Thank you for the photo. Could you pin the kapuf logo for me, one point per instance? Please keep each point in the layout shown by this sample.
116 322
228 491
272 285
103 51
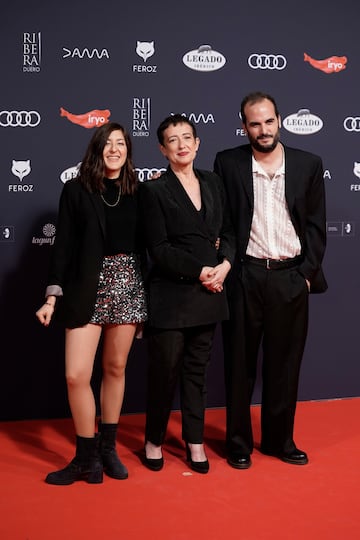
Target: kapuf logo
204 59
303 123
70 173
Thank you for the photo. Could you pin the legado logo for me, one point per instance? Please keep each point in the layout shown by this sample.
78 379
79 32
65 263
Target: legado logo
333 64
19 118
70 173
267 61
85 53
204 59
88 120
352 123
146 174
303 123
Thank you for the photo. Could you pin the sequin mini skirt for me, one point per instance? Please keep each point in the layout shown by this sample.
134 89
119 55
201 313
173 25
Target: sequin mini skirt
120 295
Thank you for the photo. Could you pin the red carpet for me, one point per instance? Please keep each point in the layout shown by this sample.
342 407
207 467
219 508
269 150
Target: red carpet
271 500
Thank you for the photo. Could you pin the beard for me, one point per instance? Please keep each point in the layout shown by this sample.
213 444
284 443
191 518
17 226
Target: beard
265 149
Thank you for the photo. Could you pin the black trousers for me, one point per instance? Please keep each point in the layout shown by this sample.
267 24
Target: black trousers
268 308
177 355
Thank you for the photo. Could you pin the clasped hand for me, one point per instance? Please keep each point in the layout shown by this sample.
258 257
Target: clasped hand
212 278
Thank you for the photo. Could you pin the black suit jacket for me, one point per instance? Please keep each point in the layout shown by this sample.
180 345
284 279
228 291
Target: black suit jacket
305 196
180 243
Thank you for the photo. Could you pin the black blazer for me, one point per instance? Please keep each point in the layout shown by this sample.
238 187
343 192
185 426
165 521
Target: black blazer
78 253
180 242
305 196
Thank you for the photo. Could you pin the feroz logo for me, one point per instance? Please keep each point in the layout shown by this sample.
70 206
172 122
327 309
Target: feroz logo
356 171
70 173
141 117
85 53
32 51
88 120
267 61
352 123
204 59
333 64
48 237
146 173
20 169
19 118
7 233
145 49
303 123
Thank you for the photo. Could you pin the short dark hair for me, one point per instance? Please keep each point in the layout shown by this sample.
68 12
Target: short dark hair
92 169
173 120
255 97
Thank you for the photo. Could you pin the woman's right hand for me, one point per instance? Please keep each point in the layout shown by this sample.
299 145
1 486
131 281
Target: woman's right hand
45 313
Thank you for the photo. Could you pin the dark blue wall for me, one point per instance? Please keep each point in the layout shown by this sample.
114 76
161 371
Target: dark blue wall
83 57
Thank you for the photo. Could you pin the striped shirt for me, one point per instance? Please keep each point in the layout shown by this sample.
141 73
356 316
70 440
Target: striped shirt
272 234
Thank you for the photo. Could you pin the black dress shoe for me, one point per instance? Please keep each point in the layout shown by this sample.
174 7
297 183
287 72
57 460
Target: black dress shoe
154 464
239 461
201 467
295 457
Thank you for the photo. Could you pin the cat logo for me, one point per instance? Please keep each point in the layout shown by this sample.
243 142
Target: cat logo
21 168
19 118
145 49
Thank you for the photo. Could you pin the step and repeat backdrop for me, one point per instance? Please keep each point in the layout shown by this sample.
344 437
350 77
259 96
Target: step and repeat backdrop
68 67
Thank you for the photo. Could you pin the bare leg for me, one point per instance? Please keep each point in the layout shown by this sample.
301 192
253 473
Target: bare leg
117 343
80 349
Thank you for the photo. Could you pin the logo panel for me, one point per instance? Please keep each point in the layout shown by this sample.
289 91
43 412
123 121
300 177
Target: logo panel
204 59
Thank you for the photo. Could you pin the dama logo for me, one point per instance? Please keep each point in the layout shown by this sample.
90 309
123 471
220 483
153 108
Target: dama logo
88 120
333 64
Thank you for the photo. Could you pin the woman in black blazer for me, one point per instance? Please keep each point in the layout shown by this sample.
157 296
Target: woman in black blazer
95 281
191 244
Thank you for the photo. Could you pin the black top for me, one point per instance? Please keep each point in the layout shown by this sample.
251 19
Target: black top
122 230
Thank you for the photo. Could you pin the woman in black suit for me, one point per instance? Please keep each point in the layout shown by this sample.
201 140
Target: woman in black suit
190 241
95 285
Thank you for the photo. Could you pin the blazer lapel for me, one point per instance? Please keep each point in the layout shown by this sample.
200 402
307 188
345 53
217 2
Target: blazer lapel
182 198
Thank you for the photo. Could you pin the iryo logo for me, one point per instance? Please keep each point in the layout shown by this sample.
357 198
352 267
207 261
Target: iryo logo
88 120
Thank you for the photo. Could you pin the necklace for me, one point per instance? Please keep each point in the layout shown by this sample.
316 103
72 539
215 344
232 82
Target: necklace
117 199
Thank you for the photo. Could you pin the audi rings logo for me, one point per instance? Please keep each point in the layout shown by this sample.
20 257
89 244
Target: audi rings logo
267 61
352 123
148 174
19 118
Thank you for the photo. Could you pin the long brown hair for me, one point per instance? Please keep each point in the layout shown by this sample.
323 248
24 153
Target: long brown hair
92 169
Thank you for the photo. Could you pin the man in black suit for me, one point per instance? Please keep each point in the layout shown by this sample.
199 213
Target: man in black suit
277 204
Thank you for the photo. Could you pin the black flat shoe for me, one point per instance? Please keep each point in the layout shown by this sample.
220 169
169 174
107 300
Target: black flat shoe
239 461
154 464
201 467
296 457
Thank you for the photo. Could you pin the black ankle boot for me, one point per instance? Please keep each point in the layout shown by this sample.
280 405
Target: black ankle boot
111 462
86 464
